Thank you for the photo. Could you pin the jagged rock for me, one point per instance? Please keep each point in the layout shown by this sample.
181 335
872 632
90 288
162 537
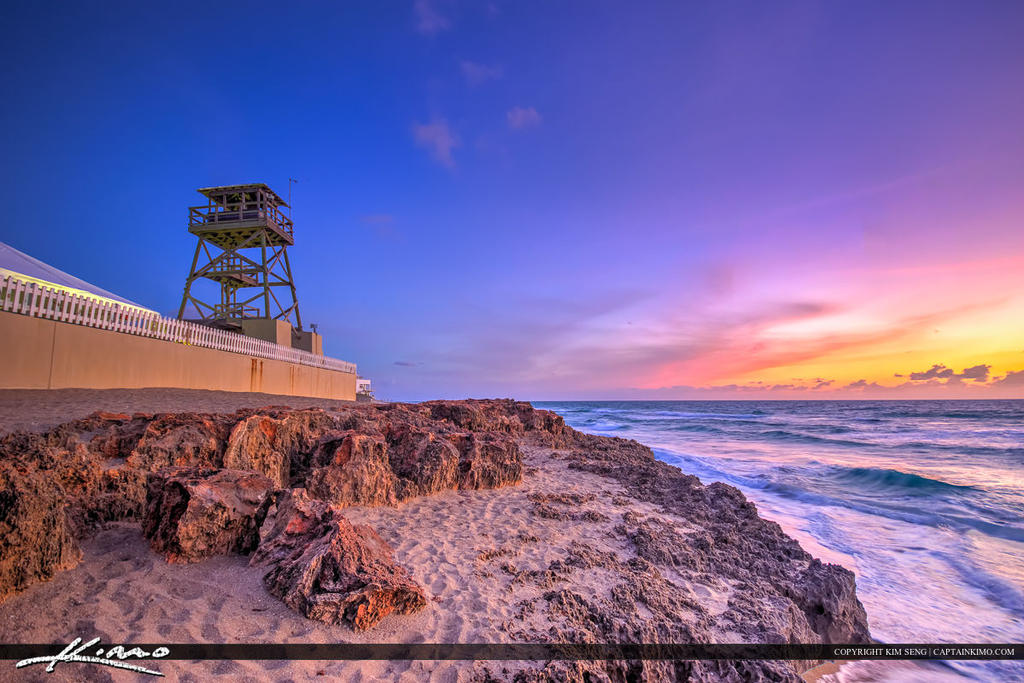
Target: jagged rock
787 596
422 462
353 469
827 595
35 537
193 513
253 445
487 460
106 433
329 569
517 418
367 455
182 439
405 460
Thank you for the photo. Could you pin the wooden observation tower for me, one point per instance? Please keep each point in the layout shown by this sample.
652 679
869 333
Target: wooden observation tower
243 247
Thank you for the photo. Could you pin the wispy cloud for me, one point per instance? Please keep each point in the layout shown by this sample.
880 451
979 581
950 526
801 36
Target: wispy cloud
476 74
428 20
864 191
439 139
522 117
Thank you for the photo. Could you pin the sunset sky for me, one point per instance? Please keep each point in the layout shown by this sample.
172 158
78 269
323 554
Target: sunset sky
558 200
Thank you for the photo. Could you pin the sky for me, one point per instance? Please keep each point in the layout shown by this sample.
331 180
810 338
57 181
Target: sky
558 200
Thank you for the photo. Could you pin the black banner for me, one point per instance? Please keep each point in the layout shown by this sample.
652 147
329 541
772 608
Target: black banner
536 652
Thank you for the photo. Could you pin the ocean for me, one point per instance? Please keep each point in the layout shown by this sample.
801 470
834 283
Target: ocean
923 500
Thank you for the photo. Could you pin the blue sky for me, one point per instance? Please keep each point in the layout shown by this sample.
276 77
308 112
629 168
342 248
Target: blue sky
556 200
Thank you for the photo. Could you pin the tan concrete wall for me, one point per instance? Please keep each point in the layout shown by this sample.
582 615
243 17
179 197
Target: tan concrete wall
307 340
275 331
44 354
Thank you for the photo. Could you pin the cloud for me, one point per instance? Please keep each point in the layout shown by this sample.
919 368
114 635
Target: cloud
406 363
428 20
979 373
936 371
863 384
439 139
476 74
1011 379
522 117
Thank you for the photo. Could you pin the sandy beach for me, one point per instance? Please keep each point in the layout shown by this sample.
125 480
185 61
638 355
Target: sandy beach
124 592
486 559
39 409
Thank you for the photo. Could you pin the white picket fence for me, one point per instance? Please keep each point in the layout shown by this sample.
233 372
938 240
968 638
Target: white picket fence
40 301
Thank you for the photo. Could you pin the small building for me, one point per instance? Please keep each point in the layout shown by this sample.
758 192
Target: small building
363 390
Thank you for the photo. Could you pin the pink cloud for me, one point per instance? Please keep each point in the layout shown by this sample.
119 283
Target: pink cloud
439 139
428 20
476 74
523 117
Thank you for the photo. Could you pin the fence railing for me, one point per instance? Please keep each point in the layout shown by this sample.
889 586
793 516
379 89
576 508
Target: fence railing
40 301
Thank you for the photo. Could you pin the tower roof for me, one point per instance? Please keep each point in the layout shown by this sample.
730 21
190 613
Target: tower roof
222 189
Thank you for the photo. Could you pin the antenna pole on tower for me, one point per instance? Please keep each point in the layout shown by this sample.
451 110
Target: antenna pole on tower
290 181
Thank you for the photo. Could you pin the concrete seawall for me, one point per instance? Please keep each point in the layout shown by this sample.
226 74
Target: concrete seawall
36 353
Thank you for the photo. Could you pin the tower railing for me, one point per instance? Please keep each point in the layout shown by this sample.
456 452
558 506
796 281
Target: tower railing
205 215
39 301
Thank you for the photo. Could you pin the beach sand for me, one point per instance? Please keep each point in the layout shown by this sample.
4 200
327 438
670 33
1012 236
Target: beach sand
454 543
37 410
480 555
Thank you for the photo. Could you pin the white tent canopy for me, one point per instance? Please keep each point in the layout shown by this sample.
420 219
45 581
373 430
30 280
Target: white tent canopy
23 266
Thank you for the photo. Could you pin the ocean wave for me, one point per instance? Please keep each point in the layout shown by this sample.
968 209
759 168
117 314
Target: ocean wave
827 428
709 416
706 429
607 427
877 477
1002 593
911 514
927 446
796 437
1004 531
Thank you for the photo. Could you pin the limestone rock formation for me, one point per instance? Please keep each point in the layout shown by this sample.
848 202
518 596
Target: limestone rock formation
729 540
183 439
193 512
274 481
329 569
35 537
516 418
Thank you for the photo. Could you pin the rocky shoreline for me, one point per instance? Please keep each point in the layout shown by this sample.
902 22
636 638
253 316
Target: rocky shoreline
604 543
